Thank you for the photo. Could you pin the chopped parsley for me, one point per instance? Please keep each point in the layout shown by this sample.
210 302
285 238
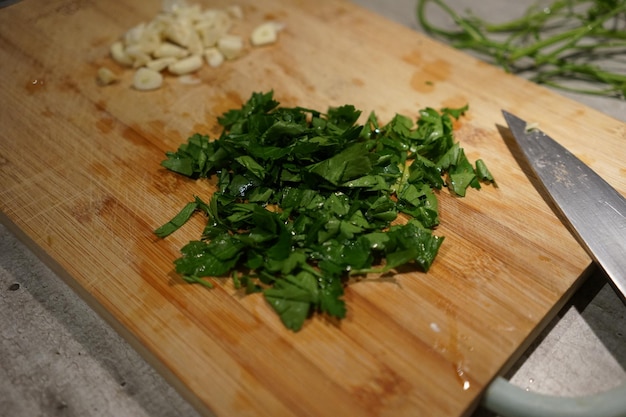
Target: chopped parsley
306 199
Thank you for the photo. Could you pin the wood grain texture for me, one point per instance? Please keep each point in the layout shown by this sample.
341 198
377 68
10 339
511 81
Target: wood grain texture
80 180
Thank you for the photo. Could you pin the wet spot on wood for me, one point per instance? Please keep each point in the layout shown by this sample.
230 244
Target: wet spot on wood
425 79
85 211
82 212
341 10
358 82
100 41
101 105
35 85
47 113
225 102
101 170
134 135
455 103
292 71
105 124
413 58
278 15
166 183
474 137
419 84
151 132
159 131
387 386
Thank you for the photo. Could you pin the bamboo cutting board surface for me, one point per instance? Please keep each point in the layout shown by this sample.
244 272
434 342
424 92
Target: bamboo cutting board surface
80 182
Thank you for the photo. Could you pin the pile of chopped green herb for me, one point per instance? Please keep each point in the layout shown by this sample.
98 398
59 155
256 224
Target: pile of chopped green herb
306 199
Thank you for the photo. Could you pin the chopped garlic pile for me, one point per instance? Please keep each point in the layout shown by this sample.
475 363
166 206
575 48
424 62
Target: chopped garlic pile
180 40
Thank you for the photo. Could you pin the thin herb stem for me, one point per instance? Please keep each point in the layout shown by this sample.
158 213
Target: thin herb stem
463 23
535 19
573 36
563 41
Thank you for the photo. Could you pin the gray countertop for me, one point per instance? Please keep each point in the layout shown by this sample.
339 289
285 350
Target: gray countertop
59 358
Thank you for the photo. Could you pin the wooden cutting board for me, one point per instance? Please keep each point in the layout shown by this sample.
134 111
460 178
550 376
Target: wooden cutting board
80 182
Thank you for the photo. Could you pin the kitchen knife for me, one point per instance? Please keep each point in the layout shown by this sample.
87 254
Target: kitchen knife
594 209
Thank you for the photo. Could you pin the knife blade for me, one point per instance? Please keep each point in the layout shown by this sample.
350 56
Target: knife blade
595 211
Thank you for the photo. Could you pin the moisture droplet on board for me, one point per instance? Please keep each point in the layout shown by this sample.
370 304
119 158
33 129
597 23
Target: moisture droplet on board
465 383
35 85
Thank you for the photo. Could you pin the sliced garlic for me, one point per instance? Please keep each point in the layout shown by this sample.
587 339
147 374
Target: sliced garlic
139 57
209 35
213 57
119 55
150 40
186 65
189 79
219 19
146 79
181 38
134 34
264 34
230 46
178 32
160 64
532 126
172 5
106 76
194 43
235 11
162 21
187 12
168 49
211 26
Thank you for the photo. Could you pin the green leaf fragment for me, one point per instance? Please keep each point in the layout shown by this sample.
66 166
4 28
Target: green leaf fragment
483 172
293 297
177 221
251 165
191 279
349 164
462 175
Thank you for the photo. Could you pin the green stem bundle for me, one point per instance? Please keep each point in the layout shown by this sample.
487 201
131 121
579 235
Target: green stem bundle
562 42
